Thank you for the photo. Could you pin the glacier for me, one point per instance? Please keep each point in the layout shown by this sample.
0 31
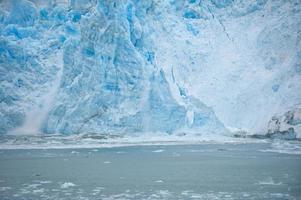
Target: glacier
130 66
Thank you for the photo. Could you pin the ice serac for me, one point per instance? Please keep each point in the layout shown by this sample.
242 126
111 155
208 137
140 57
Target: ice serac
90 68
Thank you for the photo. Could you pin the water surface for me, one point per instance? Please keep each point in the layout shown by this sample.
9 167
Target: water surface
200 171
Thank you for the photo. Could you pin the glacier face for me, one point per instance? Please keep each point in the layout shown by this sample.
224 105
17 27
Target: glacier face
242 58
109 81
128 66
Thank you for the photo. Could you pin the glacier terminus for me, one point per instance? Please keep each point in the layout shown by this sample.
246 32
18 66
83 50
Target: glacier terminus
130 66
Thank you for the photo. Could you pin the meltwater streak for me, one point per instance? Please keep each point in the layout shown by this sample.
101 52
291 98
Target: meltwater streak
36 115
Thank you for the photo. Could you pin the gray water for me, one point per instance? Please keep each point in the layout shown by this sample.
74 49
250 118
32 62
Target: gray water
203 171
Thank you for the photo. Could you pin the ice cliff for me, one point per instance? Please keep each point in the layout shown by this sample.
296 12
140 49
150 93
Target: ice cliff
126 66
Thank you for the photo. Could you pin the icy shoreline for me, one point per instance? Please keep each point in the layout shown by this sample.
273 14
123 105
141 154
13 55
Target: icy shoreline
86 141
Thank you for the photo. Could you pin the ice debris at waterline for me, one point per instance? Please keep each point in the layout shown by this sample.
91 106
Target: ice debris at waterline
287 126
282 126
111 66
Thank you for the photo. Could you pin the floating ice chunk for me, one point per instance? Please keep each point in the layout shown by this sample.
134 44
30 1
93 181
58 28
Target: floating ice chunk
67 185
158 151
41 190
269 181
44 182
